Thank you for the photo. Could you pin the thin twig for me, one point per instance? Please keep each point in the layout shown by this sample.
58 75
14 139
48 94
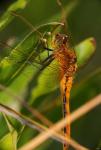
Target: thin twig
26 22
32 124
62 123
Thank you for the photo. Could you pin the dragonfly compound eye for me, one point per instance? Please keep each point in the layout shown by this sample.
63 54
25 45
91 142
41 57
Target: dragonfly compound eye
65 39
57 35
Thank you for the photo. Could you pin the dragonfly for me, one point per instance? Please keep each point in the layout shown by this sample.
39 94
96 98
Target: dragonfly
65 57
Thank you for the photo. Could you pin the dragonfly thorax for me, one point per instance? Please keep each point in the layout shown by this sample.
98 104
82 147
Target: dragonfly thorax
64 55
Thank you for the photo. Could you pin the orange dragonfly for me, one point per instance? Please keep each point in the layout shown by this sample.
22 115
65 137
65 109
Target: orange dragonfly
66 58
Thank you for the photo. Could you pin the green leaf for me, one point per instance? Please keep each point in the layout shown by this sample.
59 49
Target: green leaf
7 17
23 54
85 50
16 61
9 141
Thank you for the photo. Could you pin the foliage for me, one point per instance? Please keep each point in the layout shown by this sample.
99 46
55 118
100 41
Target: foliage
22 73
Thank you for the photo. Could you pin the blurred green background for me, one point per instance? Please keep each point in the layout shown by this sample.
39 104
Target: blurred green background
84 20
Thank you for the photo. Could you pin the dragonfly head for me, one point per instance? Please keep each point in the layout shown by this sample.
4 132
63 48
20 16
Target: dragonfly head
60 40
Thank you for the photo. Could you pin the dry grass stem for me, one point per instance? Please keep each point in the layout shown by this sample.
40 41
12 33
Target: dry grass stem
51 131
32 124
29 122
